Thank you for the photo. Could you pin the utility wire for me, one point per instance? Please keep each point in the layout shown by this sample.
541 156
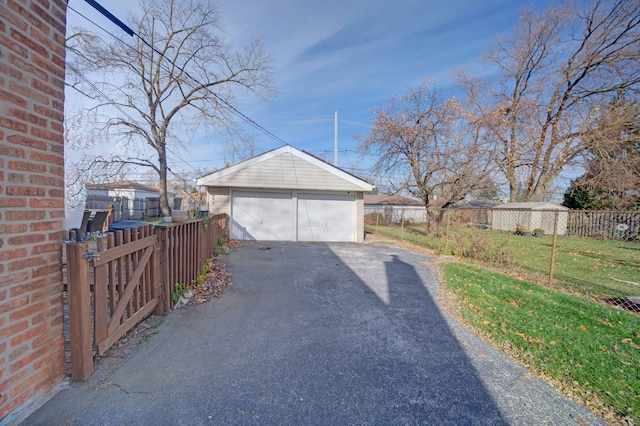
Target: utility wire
233 109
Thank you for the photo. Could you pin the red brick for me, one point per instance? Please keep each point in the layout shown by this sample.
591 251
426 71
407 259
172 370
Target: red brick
44 3
45 270
28 311
45 316
26 215
12 72
13 202
14 46
29 43
28 17
57 149
56 214
13 98
46 248
18 352
12 229
20 289
46 88
14 304
29 93
55 170
58 127
13 329
46 158
57 236
28 68
26 239
14 403
13 18
58 60
21 114
46 203
18 265
49 43
12 380
11 151
25 191
45 226
14 278
16 178
56 193
27 141
48 66
42 180
24 166
13 254
22 362
48 112
45 134
58 25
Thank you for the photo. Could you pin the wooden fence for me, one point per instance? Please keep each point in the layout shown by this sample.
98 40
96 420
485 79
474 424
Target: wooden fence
134 272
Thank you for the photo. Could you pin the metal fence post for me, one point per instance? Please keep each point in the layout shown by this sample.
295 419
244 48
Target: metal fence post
553 245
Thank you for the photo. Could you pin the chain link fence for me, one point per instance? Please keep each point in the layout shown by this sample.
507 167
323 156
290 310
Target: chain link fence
593 253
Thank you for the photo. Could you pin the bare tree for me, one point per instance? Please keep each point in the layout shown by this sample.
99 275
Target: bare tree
177 74
612 174
556 70
432 145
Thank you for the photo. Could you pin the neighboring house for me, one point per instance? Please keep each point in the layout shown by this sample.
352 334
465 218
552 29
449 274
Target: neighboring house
125 189
531 215
395 208
32 69
128 198
288 195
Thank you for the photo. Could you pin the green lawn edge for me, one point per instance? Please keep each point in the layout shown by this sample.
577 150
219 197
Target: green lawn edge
586 348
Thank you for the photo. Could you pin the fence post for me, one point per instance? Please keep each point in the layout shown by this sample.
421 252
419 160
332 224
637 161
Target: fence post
79 299
402 227
553 245
446 237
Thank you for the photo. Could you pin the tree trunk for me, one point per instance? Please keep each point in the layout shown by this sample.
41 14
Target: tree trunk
162 162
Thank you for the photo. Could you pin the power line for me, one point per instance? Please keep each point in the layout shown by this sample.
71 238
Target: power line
233 109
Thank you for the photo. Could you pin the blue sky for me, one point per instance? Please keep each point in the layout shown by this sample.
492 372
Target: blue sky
344 56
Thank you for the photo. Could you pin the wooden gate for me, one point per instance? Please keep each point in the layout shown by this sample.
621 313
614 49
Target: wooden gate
127 286
127 282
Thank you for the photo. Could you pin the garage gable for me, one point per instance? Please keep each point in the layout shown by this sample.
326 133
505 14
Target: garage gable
285 168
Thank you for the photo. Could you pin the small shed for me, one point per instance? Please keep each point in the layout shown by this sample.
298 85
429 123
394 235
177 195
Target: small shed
288 195
395 208
532 215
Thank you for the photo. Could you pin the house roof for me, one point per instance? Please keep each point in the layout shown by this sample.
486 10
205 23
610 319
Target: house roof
123 184
531 206
285 168
391 200
475 204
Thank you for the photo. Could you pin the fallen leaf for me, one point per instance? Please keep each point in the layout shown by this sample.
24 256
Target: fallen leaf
584 327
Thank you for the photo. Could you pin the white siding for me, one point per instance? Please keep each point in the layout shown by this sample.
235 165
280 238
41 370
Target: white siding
286 171
219 200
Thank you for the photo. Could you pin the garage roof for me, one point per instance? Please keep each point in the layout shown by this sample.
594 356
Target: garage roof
285 168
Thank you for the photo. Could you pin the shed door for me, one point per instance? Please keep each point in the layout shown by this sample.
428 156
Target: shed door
262 216
326 217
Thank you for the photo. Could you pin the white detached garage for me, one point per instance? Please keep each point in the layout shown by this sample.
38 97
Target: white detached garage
288 195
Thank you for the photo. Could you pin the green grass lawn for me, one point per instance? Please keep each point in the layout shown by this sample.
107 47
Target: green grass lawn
587 348
596 268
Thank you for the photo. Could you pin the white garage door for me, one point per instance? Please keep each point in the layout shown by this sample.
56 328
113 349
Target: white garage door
262 216
326 217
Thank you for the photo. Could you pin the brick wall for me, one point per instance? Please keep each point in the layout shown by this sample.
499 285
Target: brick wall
32 55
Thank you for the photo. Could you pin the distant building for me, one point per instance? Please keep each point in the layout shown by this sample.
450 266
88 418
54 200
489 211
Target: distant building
395 208
530 215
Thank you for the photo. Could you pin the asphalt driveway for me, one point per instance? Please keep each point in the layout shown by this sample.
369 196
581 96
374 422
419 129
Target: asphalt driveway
326 334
